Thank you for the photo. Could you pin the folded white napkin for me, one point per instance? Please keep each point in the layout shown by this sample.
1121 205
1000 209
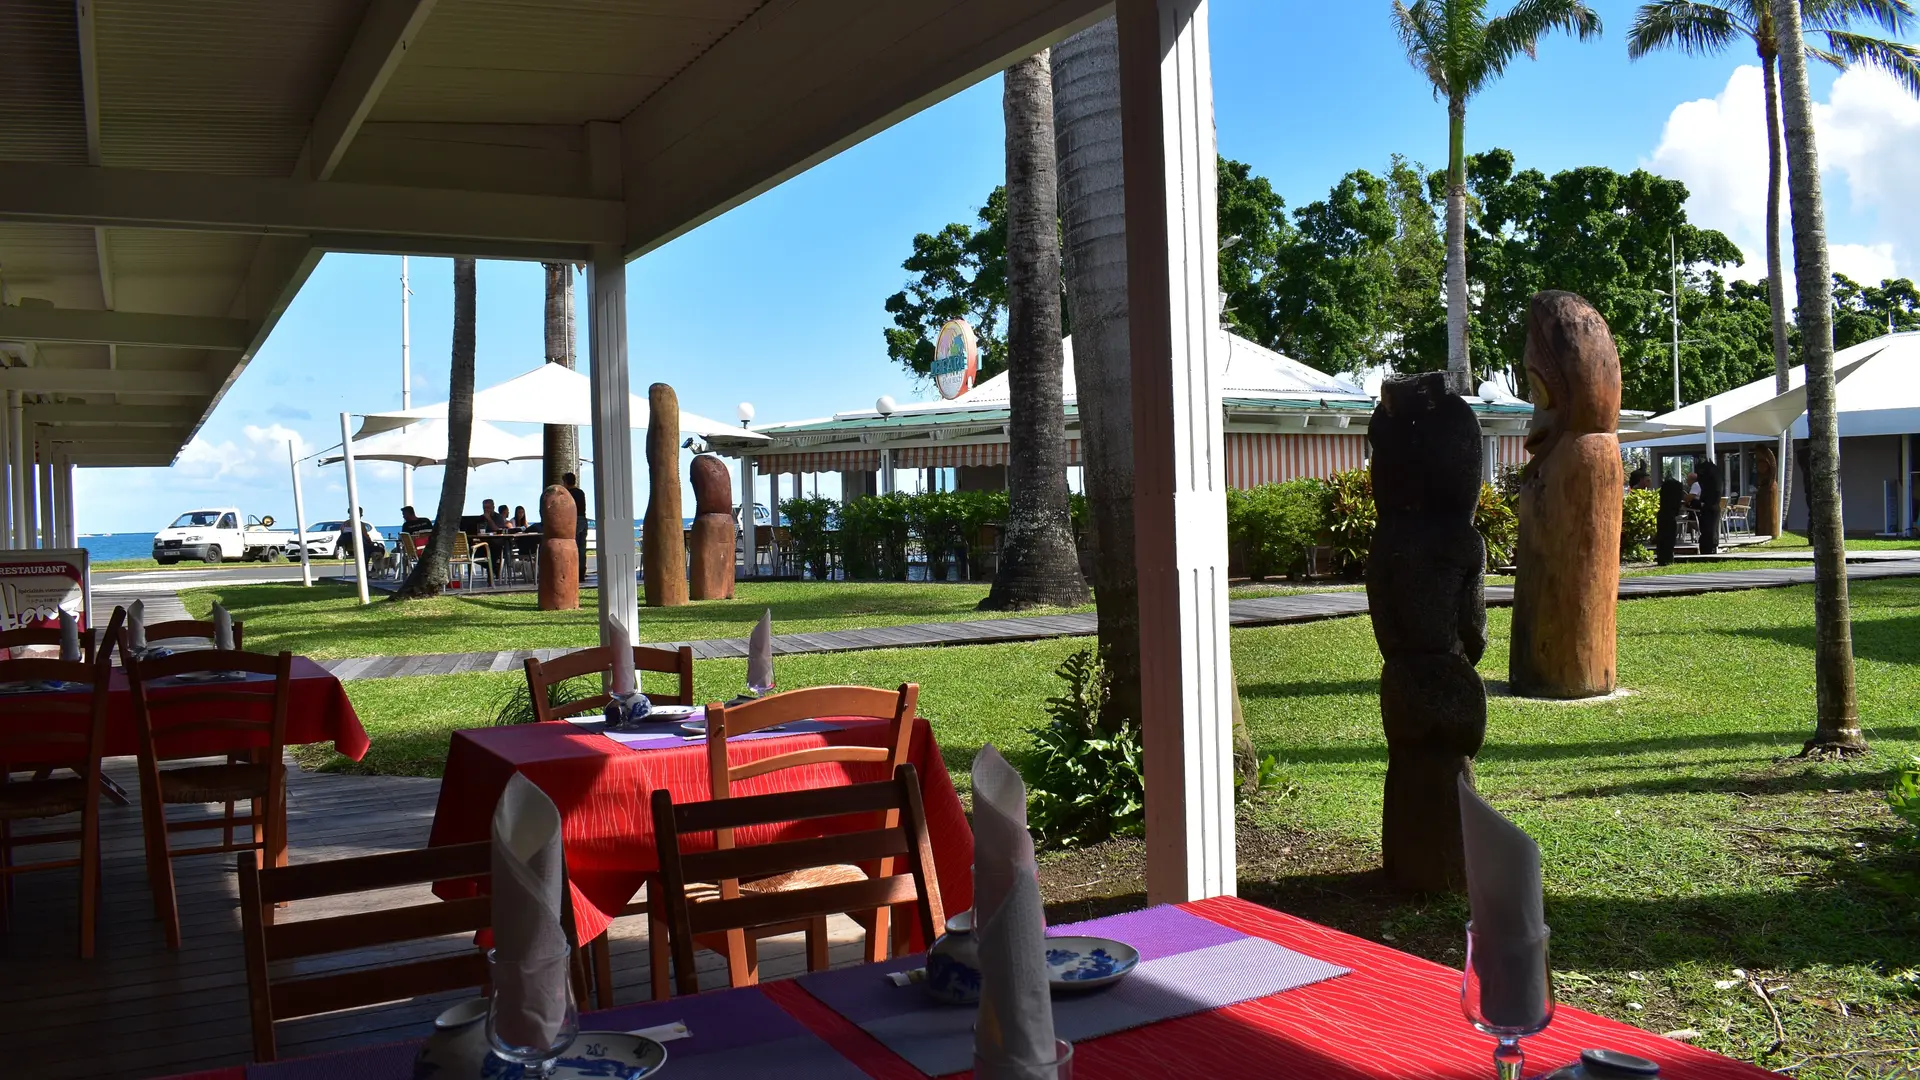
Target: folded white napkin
1509 912
1016 1009
222 629
69 637
760 652
529 887
622 679
137 625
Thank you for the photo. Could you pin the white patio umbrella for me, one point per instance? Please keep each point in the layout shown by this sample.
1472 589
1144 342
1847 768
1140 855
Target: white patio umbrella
549 394
425 443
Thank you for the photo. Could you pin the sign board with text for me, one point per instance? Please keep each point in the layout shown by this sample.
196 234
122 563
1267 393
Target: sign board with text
36 584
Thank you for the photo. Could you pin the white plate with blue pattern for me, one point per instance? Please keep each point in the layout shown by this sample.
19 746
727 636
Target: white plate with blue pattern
1088 963
614 1054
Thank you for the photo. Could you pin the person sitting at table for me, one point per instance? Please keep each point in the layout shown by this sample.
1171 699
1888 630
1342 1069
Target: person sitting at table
411 522
519 519
489 517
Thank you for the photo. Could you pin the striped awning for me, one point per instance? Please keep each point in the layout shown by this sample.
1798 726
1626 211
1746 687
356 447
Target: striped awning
1512 451
1255 459
819 462
938 456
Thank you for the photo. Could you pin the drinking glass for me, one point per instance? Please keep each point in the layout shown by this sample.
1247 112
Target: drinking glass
1507 992
532 1019
1060 1068
758 689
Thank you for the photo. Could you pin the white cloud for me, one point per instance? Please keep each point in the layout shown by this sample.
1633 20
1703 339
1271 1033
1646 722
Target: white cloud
258 452
1869 134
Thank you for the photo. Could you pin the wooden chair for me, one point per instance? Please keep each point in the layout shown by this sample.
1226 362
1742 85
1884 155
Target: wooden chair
199 629
70 732
185 713
90 649
286 997
468 557
903 835
739 945
42 635
541 677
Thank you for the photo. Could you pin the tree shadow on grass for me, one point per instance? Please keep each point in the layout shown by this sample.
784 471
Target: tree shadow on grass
1309 688
1354 753
1803 782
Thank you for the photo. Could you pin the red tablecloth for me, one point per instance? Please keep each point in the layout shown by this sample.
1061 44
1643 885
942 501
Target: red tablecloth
603 790
1395 1017
317 711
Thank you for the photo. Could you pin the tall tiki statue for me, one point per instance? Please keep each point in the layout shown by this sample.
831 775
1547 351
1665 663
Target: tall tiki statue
559 566
1712 497
1425 593
1567 579
664 547
713 535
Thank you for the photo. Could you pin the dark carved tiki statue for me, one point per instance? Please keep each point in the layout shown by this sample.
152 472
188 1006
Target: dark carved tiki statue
1567 563
663 550
1666 531
1766 502
711 547
1711 499
1425 593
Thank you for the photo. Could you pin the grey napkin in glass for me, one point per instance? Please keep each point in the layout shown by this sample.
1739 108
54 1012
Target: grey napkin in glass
1509 913
760 652
1016 1011
69 637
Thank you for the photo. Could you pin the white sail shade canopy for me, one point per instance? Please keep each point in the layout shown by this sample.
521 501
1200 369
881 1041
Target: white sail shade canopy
1877 385
425 443
549 394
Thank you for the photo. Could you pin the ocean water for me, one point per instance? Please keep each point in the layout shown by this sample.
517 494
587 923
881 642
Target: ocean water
139 545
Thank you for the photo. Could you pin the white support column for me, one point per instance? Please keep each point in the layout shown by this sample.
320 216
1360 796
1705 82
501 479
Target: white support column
32 481
773 515
1906 484
886 471
300 520
749 528
612 446
6 471
1186 677
353 508
63 485
22 486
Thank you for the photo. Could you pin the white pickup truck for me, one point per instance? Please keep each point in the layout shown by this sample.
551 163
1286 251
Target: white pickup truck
215 535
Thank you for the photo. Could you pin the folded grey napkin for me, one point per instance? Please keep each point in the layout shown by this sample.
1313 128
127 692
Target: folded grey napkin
529 887
1013 1037
760 654
137 625
1509 914
222 629
69 637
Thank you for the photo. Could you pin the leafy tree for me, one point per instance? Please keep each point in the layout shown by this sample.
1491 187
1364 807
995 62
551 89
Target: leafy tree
1461 51
429 575
1864 312
1698 27
960 273
1253 226
560 443
1837 714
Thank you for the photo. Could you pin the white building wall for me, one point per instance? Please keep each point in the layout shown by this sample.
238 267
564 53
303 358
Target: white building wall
1867 462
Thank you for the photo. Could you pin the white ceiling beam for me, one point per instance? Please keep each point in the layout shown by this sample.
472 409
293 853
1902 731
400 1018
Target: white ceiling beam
438 247
89 77
67 325
76 414
156 460
713 138
54 380
138 198
386 32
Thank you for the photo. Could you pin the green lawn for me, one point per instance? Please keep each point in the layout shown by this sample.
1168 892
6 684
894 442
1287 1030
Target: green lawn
1682 838
327 621
1794 541
149 564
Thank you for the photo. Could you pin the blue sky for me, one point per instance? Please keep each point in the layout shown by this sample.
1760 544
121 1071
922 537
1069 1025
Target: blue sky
779 301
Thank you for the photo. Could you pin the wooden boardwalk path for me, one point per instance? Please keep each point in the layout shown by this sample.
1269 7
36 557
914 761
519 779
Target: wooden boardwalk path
1250 611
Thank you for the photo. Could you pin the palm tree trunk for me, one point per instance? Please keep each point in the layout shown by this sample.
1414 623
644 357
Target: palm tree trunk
1038 562
1459 367
1837 727
1776 274
560 443
1086 109
429 575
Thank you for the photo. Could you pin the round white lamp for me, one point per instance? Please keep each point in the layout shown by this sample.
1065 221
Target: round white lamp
885 405
745 412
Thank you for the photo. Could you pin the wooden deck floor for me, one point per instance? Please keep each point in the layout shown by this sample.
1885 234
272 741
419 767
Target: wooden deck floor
139 1010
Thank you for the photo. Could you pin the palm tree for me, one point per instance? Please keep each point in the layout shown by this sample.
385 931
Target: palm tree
1039 564
1699 27
1461 51
560 448
429 575
1837 718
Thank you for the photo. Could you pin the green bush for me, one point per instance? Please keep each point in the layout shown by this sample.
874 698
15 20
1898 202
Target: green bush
939 520
1499 525
874 531
1351 518
811 521
1274 524
1084 784
1903 875
514 703
1639 516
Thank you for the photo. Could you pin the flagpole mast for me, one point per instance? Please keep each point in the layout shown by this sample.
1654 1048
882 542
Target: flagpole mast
406 375
1673 252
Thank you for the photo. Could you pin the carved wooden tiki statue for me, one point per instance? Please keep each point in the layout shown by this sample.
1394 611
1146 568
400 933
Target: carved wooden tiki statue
559 563
1567 579
663 552
713 535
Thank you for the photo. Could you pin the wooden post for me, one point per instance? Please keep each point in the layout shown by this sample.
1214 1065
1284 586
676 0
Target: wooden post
664 551
1186 671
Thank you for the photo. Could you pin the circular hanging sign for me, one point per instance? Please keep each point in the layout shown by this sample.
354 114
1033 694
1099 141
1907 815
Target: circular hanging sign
956 359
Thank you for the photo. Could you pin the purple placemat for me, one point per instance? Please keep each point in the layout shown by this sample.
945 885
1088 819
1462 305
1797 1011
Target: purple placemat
670 735
731 1035
1187 965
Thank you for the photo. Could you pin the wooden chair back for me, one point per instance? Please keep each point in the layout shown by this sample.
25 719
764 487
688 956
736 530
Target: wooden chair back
199 629
166 714
269 941
903 835
57 730
599 660
724 721
23 636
